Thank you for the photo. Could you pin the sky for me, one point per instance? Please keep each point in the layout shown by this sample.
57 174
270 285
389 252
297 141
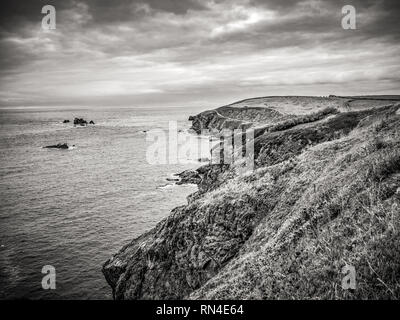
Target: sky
194 52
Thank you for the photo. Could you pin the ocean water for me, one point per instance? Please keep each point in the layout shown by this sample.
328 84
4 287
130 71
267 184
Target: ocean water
72 209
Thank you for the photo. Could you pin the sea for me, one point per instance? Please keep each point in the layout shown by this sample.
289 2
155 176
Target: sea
71 209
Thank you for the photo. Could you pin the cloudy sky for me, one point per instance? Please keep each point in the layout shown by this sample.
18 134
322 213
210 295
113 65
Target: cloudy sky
194 52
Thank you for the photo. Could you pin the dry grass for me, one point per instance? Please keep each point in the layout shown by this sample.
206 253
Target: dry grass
324 194
330 205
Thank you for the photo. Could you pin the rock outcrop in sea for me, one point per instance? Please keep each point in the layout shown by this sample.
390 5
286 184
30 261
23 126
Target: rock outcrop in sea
58 146
80 121
324 193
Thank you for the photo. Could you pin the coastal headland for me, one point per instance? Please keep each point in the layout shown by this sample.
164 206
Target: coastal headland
324 194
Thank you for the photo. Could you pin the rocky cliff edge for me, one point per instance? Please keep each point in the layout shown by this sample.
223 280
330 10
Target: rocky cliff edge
324 193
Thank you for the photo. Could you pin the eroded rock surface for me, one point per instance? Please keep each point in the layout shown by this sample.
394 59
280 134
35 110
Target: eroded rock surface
324 192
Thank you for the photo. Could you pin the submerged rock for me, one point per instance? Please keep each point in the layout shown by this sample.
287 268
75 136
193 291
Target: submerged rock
66 121
91 122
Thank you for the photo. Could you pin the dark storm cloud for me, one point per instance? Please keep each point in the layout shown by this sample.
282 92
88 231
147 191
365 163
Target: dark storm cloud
159 50
15 12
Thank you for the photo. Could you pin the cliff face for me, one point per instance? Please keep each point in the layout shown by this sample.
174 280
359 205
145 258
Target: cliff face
271 110
324 193
234 118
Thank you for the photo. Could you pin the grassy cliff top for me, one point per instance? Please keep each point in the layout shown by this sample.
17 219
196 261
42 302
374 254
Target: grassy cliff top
324 194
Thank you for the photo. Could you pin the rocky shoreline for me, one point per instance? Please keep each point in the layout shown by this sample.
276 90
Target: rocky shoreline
324 192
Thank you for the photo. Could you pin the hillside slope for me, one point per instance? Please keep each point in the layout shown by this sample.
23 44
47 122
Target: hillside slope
325 193
270 110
